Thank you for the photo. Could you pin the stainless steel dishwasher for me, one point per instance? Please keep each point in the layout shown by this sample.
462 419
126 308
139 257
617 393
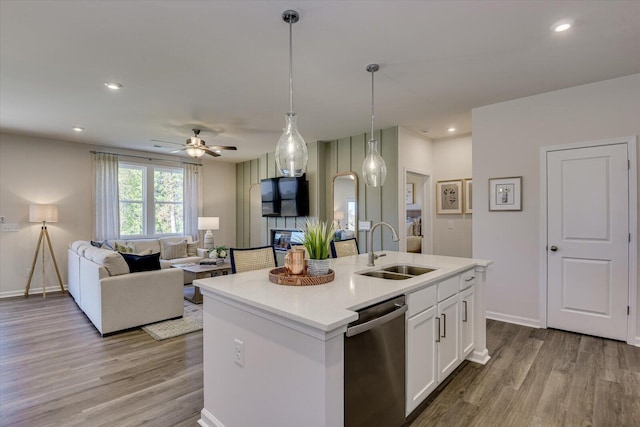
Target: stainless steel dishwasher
374 366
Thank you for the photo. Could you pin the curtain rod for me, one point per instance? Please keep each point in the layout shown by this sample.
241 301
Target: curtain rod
147 158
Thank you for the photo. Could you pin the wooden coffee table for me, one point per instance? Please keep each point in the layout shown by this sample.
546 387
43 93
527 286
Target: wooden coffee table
200 271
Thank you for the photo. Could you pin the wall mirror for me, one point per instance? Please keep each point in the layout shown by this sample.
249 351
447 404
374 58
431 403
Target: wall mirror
345 205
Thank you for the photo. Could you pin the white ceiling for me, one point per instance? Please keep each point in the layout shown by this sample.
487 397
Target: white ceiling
223 65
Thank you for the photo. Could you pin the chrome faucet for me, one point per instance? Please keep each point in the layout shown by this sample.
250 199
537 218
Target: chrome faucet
373 256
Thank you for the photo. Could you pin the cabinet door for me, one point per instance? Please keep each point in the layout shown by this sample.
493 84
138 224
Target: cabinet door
421 357
449 345
467 322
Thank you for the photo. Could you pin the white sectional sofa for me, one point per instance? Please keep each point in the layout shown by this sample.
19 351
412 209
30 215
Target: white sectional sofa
115 299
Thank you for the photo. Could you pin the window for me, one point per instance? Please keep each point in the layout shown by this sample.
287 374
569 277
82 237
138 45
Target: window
151 201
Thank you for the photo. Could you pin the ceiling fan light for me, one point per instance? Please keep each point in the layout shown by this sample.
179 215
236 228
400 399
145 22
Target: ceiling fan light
195 152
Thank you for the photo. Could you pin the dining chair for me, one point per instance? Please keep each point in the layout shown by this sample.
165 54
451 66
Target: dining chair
345 247
247 259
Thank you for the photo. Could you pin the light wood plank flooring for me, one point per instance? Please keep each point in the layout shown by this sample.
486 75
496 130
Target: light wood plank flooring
56 370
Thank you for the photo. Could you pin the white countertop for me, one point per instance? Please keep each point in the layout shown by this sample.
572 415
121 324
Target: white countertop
330 306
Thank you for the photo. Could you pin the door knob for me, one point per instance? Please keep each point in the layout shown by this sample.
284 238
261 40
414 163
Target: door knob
553 248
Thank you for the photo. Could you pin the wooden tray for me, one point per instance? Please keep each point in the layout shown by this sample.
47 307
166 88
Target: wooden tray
280 276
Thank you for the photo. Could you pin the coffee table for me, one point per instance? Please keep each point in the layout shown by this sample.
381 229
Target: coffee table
200 271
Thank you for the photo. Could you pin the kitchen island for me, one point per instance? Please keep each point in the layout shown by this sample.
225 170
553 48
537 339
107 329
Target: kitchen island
274 355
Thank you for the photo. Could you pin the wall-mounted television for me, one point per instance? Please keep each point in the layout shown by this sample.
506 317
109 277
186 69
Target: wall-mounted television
285 196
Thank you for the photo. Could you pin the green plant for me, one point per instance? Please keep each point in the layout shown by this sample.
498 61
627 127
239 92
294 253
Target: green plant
221 251
317 238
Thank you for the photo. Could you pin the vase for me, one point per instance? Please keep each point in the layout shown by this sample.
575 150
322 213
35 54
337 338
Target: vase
318 267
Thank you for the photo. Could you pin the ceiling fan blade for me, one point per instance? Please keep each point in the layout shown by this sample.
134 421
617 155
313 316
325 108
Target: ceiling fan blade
222 147
177 151
212 153
166 142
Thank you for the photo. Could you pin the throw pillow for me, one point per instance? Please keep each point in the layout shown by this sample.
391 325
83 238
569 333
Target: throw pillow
192 248
175 250
97 244
139 263
145 252
127 248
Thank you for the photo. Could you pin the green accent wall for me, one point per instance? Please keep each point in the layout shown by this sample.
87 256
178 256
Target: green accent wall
327 158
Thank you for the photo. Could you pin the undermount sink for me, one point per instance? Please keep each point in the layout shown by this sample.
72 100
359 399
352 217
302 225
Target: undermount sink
386 275
398 272
411 270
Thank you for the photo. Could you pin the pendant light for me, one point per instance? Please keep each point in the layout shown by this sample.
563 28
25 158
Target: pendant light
374 169
291 150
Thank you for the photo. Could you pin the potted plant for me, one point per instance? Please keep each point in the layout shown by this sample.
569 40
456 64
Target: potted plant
317 239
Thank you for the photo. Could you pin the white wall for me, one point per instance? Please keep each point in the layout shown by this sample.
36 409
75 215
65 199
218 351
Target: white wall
36 170
452 160
507 138
415 154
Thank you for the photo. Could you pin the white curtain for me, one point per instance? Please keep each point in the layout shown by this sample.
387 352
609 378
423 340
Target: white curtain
192 184
107 219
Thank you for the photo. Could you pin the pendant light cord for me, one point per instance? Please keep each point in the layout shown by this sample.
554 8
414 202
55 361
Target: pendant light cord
290 66
372 72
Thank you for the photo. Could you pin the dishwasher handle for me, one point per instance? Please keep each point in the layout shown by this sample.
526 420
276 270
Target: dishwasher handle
364 327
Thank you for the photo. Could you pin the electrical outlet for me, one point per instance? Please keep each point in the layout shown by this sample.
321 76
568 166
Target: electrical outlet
450 225
364 225
238 352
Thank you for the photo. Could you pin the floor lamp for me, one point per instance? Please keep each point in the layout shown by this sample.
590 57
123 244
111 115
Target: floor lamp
43 214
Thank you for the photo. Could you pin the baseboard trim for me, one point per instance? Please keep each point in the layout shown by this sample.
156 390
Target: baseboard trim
32 291
208 420
518 320
481 357
635 342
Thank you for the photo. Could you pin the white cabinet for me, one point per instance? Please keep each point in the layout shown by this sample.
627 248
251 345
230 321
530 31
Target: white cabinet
467 322
421 357
448 341
440 334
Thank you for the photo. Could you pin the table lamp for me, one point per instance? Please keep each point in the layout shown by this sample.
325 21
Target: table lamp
43 214
208 223
338 216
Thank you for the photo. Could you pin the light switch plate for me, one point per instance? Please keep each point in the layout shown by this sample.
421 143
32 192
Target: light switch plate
10 227
364 225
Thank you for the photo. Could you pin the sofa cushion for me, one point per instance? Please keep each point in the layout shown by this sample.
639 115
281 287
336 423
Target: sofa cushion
174 250
138 263
112 261
125 248
192 248
145 244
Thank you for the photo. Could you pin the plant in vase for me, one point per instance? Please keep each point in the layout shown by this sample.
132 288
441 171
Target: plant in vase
317 240
221 252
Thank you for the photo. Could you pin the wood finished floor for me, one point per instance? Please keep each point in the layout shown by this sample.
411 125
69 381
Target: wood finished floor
56 370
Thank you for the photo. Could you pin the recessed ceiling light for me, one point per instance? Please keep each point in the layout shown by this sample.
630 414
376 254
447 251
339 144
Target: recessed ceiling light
113 85
452 129
77 128
562 25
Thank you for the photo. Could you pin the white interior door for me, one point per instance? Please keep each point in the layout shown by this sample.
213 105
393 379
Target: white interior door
587 238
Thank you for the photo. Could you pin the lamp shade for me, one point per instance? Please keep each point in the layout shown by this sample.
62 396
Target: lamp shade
338 215
43 213
208 223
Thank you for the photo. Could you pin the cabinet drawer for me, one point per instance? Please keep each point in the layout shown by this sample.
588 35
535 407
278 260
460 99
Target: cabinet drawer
448 287
421 300
467 279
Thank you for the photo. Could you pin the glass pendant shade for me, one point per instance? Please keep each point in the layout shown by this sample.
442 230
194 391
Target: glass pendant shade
374 169
291 150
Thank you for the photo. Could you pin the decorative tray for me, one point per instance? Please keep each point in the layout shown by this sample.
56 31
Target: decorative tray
281 276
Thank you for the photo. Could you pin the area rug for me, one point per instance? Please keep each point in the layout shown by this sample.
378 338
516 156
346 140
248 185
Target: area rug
191 322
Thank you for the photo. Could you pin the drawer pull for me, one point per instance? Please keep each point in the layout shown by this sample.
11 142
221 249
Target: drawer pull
468 279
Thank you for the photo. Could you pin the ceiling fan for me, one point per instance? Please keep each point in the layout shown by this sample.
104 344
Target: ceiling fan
196 147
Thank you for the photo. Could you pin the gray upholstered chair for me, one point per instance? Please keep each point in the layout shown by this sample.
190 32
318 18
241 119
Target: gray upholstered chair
344 248
248 259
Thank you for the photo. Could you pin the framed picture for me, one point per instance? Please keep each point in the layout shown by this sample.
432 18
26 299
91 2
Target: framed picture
449 197
468 193
505 194
409 194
